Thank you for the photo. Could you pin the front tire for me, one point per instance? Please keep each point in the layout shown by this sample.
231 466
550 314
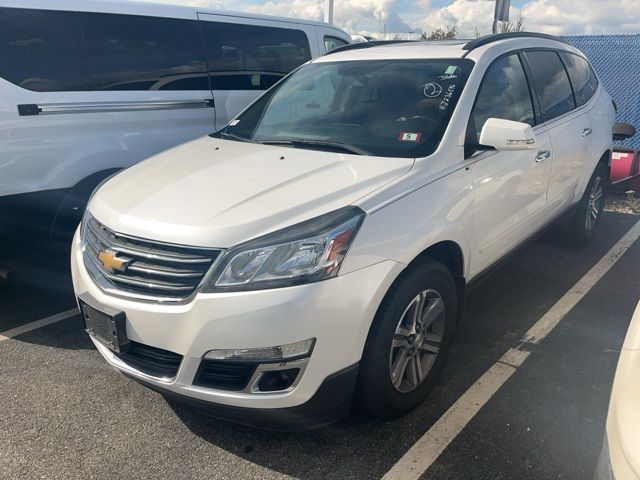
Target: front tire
408 341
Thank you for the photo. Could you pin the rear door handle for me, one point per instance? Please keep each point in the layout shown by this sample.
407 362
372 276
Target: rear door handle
543 155
586 132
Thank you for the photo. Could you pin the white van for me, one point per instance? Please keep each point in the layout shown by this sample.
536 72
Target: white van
90 87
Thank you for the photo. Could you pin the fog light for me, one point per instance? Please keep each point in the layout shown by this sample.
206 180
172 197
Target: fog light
281 353
277 380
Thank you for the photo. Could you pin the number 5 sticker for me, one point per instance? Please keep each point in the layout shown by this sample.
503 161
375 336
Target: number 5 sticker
409 137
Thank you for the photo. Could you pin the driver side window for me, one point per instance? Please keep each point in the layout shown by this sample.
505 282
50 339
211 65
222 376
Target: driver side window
504 94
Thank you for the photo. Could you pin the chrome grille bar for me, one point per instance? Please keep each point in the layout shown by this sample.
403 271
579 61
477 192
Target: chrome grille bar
170 272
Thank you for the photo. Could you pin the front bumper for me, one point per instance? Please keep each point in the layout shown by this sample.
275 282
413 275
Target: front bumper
336 312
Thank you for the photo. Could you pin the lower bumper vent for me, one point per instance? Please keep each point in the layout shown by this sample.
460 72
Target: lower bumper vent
151 360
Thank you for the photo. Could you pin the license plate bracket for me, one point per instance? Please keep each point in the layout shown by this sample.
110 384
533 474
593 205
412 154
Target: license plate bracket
105 324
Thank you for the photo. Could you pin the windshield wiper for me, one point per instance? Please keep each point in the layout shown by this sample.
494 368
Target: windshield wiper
233 136
318 143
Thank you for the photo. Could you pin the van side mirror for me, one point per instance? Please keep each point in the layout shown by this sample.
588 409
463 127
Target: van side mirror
622 131
506 135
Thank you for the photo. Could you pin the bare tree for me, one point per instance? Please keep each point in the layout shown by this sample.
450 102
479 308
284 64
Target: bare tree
517 26
448 33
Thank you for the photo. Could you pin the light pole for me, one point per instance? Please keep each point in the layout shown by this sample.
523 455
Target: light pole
501 13
328 11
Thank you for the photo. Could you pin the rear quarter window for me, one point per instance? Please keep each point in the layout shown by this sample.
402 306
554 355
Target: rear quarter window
551 84
42 50
582 76
331 43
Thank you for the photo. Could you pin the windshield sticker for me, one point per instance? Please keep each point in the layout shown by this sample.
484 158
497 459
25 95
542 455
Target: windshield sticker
233 123
450 70
409 137
444 104
432 90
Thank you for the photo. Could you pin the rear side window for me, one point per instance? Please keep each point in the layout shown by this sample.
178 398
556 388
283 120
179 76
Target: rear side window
42 50
583 79
331 43
551 84
129 52
252 57
504 94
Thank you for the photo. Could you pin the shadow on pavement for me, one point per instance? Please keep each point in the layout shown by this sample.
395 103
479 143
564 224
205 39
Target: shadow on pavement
499 311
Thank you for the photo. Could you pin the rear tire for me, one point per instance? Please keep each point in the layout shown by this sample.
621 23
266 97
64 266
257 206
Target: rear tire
585 218
408 341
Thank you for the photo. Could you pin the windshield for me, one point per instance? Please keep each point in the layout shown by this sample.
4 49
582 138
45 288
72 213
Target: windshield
388 108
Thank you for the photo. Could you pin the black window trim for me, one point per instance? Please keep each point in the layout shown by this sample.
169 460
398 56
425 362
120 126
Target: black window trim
573 110
575 98
470 148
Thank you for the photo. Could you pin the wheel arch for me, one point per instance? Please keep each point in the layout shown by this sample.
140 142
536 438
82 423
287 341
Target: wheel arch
448 252
76 199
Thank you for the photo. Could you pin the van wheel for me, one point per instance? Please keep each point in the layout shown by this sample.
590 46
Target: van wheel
408 341
587 213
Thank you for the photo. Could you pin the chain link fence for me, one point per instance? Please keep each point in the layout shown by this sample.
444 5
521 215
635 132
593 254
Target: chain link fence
616 59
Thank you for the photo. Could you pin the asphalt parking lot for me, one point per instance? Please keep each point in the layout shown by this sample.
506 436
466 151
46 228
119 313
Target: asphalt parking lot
65 414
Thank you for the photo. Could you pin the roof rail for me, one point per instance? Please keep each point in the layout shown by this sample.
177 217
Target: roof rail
482 41
373 43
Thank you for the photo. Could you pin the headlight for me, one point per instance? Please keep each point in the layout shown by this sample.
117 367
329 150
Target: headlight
304 253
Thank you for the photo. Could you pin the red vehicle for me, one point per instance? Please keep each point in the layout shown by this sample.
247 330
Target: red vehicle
624 170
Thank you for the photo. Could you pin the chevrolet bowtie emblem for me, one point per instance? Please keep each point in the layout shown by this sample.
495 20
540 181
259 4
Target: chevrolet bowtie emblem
111 262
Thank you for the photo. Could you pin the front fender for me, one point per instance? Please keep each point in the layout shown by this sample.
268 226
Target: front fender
402 230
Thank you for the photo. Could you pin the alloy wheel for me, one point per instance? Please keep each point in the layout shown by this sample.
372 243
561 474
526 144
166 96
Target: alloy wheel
416 341
595 204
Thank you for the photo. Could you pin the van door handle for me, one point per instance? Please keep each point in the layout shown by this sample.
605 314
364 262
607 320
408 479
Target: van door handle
586 132
543 155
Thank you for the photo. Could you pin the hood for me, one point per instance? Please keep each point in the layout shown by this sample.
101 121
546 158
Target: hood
218 193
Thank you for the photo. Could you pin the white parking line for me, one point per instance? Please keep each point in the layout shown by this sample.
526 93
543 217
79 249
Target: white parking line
429 447
43 322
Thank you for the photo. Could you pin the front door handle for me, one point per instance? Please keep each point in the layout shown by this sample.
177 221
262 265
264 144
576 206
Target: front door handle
586 132
543 155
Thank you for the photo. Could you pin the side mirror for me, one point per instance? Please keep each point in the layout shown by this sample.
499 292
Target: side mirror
505 135
622 131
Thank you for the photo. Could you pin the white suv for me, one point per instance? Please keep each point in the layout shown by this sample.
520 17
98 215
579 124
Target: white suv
323 239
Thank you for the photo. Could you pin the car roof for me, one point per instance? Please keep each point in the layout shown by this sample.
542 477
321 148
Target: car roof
491 45
397 50
149 8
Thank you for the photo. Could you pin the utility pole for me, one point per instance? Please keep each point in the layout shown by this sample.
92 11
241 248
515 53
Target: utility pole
328 11
501 13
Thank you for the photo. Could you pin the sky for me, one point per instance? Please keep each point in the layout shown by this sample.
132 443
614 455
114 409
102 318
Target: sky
468 16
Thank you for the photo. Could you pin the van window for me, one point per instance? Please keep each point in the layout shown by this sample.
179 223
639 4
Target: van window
504 94
130 52
583 79
331 43
42 50
252 57
551 83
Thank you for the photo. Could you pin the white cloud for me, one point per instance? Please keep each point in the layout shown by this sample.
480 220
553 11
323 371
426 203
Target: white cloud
401 16
583 16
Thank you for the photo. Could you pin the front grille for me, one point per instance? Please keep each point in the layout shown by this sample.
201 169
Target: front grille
224 375
151 360
166 272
